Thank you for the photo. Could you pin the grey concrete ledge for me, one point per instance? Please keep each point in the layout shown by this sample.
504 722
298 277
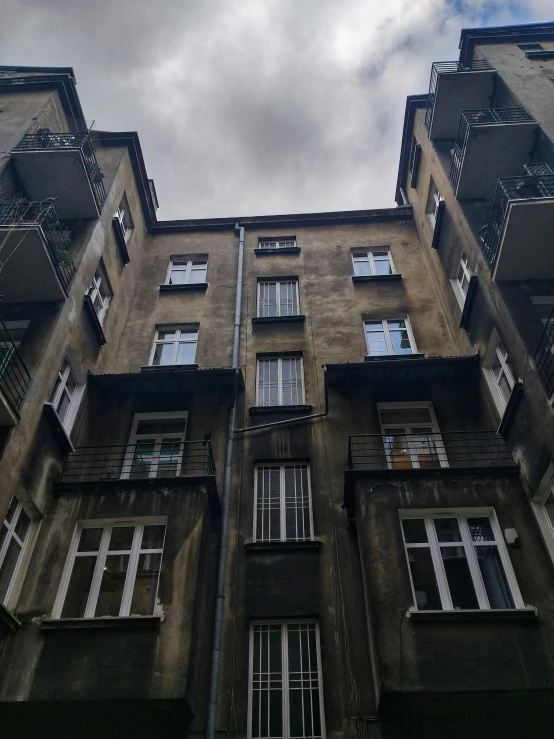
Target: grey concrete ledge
396 277
62 624
276 547
495 614
9 619
257 410
190 288
262 320
167 367
267 252
384 357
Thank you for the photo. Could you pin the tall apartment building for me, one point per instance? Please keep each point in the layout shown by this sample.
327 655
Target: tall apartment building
288 476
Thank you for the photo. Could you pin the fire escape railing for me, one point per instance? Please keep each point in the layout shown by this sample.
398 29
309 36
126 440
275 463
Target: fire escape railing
14 375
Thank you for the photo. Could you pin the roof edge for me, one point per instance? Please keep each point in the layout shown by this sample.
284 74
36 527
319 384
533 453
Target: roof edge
469 37
413 103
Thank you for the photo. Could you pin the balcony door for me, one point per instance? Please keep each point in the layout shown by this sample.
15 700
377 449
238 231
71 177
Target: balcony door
156 446
411 437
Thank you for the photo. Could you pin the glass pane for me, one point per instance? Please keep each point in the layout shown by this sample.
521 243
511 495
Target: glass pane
361 266
414 531
79 587
153 537
3 534
481 529
143 458
404 416
382 263
399 337
169 461
268 299
198 272
23 524
447 530
297 507
292 382
267 683
63 406
121 538
460 584
426 590
186 353
71 383
376 343
424 449
549 508
178 274
287 299
89 540
398 451
111 587
505 387
11 509
268 385
494 577
146 585
8 567
268 504
163 354
167 334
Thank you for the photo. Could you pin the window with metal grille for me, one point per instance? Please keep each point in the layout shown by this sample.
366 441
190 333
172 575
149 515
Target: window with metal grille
373 262
14 535
100 293
285 691
123 215
174 345
277 298
280 381
282 503
183 271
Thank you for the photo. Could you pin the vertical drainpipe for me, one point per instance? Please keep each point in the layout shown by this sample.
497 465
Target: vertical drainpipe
222 560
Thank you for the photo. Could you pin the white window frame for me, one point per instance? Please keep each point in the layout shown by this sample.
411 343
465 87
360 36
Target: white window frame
188 260
24 544
123 214
385 323
100 278
463 262
277 243
278 282
461 514
134 438
545 490
259 399
411 428
493 349
285 673
433 200
130 578
358 254
178 330
282 501
68 367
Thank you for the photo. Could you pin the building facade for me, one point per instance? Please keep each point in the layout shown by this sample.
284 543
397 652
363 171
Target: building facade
281 476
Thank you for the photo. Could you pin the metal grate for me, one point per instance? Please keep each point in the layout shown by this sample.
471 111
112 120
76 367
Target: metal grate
544 354
14 375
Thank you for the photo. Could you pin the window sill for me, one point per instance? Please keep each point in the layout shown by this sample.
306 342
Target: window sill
257 410
385 357
121 240
266 252
9 619
187 288
168 367
260 321
377 278
496 614
283 546
96 325
62 624
54 420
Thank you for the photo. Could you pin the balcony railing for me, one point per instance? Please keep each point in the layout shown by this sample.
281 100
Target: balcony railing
14 375
481 117
81 141
544 355
440 68
509 190
428 450
21 215
143 460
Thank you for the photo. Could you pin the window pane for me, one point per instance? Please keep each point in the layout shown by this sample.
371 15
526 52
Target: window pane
404 416
382 263
198 272
288 305
22 525
398 451
169 461
8 567
549 508
186 353
163 354
376 343
292 382
153 537
167 334
481 529
63 406
303 681
399 337
297 504
268 299
494 578
414 530
121 538
11 509
424 449
268 384
89 541
143 458
462 590
424 580
268 504
178 274
267 682
447 530
161 426
146 585
111 587
79 587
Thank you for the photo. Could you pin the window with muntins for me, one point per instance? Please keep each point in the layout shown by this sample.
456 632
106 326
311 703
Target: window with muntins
14 535
100 293
123 215
285 691
502 372
174 345
276 243
280 381
463 275
113 570
277 298
156 445
411 436
457 560
389 336
67 395
183 271
282 505
372 263
433 200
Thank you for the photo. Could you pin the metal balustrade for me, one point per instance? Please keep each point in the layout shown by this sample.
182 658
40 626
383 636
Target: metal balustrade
544 354
142 460
14 375
440 68
428 450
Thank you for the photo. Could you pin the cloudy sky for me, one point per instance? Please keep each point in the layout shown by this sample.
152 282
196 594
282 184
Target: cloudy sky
250 107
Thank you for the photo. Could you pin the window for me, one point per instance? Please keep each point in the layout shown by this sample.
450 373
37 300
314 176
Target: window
278 298
457 560
284 243
548 506
112 570
433 200
389 336
498 372
283 505
285 693
411 436
280 381
183 271
373 262
544 305
100 293
530 47
461 281
156 446
14 535
174 345
123 215
67 395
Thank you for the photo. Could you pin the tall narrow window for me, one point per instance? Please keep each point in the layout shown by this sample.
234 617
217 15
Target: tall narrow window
280 381
372 263
458 561
389 336
67 395
100 293
277 298
123 215
285 695
283 505
463 276
156 445
14 535
411 436
113 570
433 200
499 372
174 345
183 271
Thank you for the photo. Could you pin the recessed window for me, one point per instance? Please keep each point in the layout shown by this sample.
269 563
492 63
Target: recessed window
374 262
277 298
67 394
280 381
499 372
100 293
283 505
113 570
123 215
460 283
411 436
530 47
14 536
285 686
433 200
156 446
183 271
174 345
389 336
286 243
457 560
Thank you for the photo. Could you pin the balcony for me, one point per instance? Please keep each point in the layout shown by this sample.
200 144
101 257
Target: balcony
64 166
544 354
518 241
36 262
491 143
14 378
456 86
